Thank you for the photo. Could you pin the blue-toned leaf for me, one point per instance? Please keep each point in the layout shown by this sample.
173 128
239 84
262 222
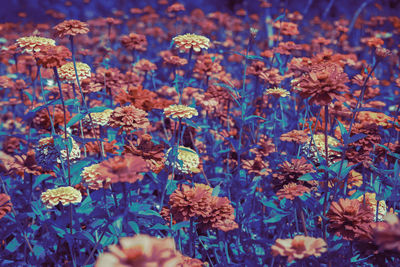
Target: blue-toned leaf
134 226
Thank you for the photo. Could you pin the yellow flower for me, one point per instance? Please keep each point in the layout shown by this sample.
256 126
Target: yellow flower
67 72
180 111
66 195
93 177
191 41
187 159
32 44
370 200
99 118
277 92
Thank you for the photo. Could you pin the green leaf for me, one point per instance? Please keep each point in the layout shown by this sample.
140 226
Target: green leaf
134 226
13 245
75 119
40 179
98 109
150 213
216 190
275 219
180 225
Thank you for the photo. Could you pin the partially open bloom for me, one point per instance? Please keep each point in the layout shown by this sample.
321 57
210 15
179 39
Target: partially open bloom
91 176
33 44
299 247
142 250
5 205
180 111
66 195
71 27
186 160
128 118
67 72
349 218
191 41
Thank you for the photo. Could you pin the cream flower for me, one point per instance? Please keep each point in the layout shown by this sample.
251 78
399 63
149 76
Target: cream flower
66 195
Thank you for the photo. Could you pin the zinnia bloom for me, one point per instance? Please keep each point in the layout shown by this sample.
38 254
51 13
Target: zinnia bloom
142 250
277 92
323 82
134 41
5 205
299 247
180 111
93 178
388 236
67 72
33 44
291 191
66 195
349 218
370 200
99 118
129 118
191 41
122 169
51 56
71 27
186 161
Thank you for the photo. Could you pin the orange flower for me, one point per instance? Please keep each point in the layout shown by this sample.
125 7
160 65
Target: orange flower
291 191
5 205
91 176
176 7
122 169
144 65
299 247
286 28
51 56
71 27
298 136
134 41
387 237
349 218
128 118
141 250
191 41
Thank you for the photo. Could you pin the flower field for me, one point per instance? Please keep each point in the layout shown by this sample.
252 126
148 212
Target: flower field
235 133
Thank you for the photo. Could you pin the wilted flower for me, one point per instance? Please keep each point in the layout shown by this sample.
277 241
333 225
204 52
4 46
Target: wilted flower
33 44
186 160
71 27
66 195
142 250
191 41
299 247
129 118
5 205
74 153
180 111
126 168
46 153
67 72
315 146
91 176
349 218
